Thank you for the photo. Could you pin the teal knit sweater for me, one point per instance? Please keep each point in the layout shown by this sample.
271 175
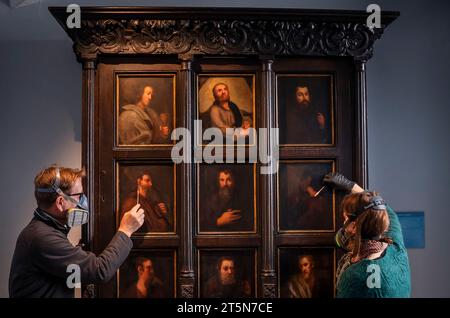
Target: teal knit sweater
395 282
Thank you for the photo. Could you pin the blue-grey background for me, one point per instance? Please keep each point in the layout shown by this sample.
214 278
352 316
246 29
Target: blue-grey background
413 227
408 104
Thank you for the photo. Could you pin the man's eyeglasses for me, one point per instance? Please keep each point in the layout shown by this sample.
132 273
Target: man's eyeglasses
75 194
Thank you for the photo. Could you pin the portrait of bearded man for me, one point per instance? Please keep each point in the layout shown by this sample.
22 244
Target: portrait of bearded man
229 205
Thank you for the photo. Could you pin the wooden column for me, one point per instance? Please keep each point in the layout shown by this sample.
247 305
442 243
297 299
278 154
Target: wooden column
186 177
88 157
267 184
361 125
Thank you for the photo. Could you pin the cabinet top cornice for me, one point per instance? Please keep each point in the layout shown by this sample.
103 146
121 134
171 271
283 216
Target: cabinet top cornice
222 31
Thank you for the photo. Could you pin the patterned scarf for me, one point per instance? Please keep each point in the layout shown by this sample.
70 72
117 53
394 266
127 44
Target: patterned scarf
369 247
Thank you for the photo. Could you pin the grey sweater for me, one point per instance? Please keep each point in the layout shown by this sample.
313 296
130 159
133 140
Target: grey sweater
43 252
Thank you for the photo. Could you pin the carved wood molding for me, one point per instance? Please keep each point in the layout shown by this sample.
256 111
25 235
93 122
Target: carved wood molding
309 33
269 291
88 291
187 291
225 37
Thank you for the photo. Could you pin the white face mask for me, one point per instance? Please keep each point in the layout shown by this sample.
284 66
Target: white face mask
75 216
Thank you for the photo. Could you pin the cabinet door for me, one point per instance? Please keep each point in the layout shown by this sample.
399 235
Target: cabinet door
316 118
137 112
141 102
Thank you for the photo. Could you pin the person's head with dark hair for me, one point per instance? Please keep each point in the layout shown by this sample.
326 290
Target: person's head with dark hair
302 95
143 96
144 269
144 181
225 178
226 270
221 93
305 179
226 184
306 265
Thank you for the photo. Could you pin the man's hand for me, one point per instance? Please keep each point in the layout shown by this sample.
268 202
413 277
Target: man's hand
162 207
311 192
229 217
321 120
132 220
338 181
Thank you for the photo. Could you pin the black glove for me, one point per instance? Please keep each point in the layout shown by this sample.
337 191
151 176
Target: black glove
338 181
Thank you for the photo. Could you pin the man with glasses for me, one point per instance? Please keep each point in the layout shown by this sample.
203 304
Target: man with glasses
44 258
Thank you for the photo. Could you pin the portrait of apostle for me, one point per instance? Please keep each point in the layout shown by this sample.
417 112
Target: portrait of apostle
145 108
305 104
226 198
148 275
306 272
303 203
227 274
152 186
227 102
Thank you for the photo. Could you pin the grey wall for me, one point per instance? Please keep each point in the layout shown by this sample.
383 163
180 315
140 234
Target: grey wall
408 101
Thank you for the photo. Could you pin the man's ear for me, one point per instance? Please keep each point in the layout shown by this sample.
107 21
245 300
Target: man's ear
59 203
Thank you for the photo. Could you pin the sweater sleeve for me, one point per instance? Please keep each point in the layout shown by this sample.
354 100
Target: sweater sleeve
54 253
395 230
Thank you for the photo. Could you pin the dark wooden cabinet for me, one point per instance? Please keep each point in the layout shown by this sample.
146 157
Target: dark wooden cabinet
263 56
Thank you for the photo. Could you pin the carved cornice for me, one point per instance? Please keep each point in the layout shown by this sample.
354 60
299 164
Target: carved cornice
313 33
225 37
